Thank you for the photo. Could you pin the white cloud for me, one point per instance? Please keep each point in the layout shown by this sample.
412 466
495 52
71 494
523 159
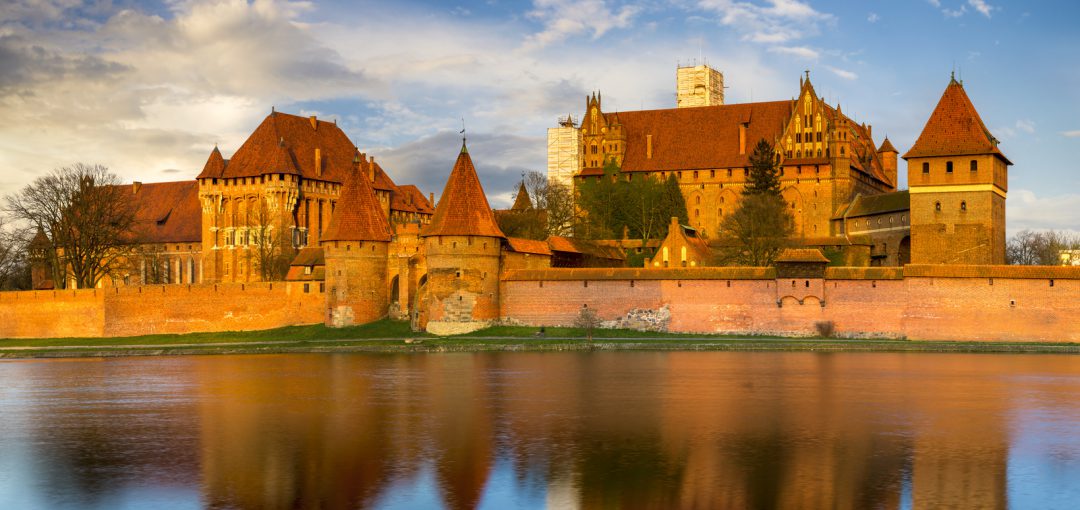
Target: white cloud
777 22
935 3
981 6
1071 134
798 51
1026 210
1026 125
954 13
567 18
873 17
845 74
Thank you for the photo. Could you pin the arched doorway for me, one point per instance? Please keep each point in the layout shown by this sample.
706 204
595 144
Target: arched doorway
904 254
395 291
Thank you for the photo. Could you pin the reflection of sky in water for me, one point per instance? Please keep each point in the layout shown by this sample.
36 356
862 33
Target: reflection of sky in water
524 431
1044 452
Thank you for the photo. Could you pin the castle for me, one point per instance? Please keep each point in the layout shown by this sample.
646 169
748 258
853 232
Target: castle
369 248
841 187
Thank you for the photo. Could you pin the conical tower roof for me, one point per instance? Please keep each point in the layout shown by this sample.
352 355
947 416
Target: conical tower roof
463 209
955 129
887 146
358 215
522 202
215 165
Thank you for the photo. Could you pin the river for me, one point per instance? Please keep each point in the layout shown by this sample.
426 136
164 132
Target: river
542 430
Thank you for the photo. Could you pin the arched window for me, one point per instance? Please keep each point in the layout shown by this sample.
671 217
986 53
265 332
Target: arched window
963 206
697 199
937 206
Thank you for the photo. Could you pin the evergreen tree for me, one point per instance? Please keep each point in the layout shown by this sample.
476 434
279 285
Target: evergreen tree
761 225
764 174
673 202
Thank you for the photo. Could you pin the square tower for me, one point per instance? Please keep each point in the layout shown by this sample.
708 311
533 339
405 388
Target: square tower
958 180
698 85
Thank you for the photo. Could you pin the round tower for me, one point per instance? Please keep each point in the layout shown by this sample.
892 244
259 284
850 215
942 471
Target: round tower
463 244
356 246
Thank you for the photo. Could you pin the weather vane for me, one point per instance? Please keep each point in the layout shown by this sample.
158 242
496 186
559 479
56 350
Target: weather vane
463 130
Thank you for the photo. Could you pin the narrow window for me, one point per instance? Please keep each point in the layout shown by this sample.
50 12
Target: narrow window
974 166
926 168
948 167
963 206
937 206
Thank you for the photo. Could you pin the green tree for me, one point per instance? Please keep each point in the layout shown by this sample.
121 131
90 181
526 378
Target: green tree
598 199
764 176
761 225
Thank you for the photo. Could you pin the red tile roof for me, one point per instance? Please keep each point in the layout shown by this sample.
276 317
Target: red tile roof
358 215
166 212
463 209
592 248
521 201
955 129
285 143
887 146
215 165
408 198
705 137
528 246
802 255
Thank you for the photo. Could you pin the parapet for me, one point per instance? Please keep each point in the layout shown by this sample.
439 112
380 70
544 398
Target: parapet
634 273
992 271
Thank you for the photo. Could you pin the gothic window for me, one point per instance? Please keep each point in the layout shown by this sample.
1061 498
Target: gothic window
697 200
948 167
819 134
937 206
842 151
594 148
818 155
963 206
798 137
926 168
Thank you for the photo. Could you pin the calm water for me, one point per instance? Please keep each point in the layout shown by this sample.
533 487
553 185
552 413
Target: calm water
535 430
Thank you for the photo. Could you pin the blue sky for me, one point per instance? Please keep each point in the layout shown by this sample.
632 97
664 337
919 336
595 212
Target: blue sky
148 88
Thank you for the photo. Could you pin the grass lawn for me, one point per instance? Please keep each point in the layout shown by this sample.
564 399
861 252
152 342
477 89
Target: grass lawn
388 336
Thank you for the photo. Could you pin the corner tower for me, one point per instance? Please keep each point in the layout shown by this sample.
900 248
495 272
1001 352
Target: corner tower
463 246
958 180
355 245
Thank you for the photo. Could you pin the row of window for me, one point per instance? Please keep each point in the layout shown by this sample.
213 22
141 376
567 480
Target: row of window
973 165
963 206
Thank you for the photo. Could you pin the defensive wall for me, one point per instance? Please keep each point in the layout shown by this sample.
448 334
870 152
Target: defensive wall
917 302
157 309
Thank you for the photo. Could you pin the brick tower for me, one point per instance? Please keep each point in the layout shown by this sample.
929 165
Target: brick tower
463 245
38 251
958 179
356 244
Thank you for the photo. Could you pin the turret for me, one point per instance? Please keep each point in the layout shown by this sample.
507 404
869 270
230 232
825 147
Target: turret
958 180
356 245
463 245
888 155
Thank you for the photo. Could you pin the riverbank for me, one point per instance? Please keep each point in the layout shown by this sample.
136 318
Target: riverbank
396 337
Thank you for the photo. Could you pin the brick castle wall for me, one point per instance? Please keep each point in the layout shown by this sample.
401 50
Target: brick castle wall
155 309
924 307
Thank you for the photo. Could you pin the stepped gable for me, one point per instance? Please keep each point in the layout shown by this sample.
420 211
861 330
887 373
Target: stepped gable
955 129
285 143
215 165
358 215
166 212
706 137
463 209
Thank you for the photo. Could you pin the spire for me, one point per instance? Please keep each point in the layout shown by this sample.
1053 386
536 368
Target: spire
887 146
522 202
215 165
463 208
358 215
955 129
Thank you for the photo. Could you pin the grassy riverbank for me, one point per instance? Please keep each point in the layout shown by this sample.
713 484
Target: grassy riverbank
395 337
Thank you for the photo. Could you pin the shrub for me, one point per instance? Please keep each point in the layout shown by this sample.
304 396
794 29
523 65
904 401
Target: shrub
825 329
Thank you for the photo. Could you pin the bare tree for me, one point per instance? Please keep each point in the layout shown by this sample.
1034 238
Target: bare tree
13 258
273 250
88 218
1038 248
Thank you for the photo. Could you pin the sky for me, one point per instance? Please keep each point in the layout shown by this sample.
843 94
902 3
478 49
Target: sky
148 88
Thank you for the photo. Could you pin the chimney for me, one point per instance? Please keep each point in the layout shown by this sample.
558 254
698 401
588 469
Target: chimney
742 138
314 122
870 131
135 187
318 162
432 195
371 169
648 146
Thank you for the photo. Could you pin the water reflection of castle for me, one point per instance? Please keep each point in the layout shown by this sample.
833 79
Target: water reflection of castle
673 430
